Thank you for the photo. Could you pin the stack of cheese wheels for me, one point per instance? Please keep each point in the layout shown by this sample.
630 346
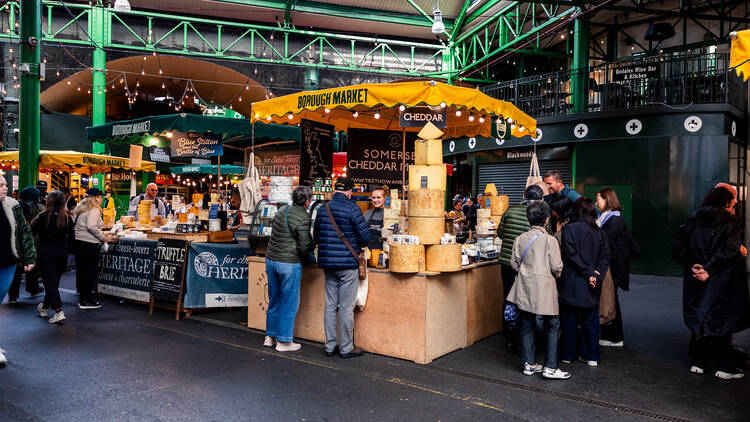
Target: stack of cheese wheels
496 204
144 212
444 258
406 258
427 187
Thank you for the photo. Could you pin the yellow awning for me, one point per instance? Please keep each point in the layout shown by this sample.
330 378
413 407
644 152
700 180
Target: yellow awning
739 57
465 107
63 160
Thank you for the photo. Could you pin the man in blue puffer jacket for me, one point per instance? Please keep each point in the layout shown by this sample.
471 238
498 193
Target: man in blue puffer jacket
341 268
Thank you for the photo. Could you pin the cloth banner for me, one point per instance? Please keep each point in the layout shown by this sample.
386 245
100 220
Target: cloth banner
126 269
375 156
316 152
216 276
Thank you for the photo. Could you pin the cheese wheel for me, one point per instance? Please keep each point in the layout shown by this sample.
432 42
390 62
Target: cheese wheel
406 258
428 152
443 258
483 214
427 177
426 203
428 229
496 204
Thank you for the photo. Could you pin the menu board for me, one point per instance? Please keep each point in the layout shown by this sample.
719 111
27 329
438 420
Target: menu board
193 144
378 156
126 269
169 269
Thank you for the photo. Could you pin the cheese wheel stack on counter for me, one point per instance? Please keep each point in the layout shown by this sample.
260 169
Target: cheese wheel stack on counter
427 178
493 206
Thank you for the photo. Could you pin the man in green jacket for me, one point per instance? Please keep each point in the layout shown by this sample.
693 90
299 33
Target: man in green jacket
513 224
288 248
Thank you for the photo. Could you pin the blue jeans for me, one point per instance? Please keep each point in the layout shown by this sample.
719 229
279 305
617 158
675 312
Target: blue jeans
283 298
589 318
528 346
6 279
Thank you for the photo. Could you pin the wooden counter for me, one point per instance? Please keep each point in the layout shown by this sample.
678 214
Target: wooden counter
190 237
418 317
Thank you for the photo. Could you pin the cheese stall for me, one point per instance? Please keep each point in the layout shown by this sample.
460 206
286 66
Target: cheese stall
425 294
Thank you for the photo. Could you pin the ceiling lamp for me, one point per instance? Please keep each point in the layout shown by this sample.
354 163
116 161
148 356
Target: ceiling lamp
122 6
377 114
437 25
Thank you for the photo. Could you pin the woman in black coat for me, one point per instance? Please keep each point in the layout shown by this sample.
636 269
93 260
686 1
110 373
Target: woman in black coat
585 254
715 292
613 224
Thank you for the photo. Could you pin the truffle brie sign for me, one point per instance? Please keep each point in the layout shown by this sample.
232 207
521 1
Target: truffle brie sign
420 116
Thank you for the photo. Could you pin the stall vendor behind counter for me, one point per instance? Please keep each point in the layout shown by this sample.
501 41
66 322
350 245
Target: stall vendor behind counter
374 218
151 191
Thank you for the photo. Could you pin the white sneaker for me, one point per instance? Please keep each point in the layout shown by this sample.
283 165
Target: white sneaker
529 369
268 342
607 343
59 317
3 360
42 311
567 361
287 346
555 374
696 370
730 375
589 362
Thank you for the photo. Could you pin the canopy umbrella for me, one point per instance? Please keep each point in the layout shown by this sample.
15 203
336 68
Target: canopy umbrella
208 169
64 160
377 106
739 58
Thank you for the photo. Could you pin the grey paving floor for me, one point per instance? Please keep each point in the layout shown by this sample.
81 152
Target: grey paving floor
119 363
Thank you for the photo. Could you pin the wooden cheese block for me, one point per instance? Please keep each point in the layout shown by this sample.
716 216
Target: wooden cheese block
443 258
406 258
490 189
428 151
430 131
428 229
483 213
426 203
434 175
391 213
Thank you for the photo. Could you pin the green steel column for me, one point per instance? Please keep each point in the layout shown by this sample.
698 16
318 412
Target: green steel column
579 78
99 31
448 63
28 146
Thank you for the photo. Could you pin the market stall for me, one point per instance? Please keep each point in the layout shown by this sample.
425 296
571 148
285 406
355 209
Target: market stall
429 296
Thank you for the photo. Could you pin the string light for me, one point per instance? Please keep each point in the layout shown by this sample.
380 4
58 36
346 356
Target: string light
443 105
355 114
401 107
458 113
377 114
471 117
327 110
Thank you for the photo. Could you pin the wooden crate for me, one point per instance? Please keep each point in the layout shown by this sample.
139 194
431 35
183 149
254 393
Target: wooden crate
222 236
484 302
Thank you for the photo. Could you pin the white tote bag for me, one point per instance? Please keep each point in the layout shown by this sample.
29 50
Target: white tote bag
534 174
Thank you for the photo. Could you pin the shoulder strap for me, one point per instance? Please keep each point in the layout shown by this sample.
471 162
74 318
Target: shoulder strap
341 235
523 257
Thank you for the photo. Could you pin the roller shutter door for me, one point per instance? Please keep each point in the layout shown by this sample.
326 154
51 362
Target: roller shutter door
512 176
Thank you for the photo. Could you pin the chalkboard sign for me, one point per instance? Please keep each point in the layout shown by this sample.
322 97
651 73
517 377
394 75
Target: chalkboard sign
379 156
316 152
126 269
192 144
169 269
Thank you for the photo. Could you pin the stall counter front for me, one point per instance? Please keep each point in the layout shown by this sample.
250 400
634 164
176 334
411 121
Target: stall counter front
418 317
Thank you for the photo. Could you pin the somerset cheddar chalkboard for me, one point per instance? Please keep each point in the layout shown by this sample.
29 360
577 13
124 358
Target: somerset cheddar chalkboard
169 269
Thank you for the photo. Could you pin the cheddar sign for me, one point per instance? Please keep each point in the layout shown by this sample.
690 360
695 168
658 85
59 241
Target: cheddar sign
419 116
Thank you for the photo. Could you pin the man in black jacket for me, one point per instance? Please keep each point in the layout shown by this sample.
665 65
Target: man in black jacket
340 265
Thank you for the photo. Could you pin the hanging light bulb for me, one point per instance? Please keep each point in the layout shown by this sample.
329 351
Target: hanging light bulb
271 78
153 53
290 116
143 72
247 87
162 85
240 98
481 119
10 50
160 72
255 70
57 73
401 107
443 105
513 125
471 117
377 114
458 113
79 87
68 81
355 114
268 118
144 58
509 120
520 128
327 110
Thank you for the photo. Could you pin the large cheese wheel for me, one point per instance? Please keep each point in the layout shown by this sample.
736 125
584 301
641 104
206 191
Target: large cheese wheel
483 213
429 229
426 203
433 177
443 258
428 152
496 204
406 258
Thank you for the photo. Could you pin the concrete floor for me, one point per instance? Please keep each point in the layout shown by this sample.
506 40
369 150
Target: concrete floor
119 363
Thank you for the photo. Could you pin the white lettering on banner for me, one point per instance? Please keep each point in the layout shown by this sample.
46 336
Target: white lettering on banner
423 117
519 155
225 300
207 265
125 293
119 130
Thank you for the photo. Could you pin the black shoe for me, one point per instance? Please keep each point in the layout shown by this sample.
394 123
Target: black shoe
356 352
332 354
89 305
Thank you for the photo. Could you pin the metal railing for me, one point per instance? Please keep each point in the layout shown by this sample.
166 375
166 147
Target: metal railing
677 80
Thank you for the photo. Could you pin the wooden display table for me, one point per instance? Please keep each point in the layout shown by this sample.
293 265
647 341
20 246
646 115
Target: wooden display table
190 237
418 317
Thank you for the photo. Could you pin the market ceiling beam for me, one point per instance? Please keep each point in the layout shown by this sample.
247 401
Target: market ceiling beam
460 17
181 35
426 15
340 11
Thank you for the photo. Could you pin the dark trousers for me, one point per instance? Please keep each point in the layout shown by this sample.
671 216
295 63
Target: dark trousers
87 269
32 283
51 268
612 330
701 349
528 341
589 318
512 335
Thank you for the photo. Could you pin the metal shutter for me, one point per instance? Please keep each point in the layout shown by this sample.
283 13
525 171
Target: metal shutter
511 177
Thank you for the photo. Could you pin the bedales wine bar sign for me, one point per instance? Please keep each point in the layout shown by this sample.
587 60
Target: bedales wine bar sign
636 71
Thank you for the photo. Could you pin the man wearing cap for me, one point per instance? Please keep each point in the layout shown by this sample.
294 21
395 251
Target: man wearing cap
340 266
151 191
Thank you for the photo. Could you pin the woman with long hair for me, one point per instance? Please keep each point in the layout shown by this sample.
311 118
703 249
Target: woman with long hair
16 244
715 292
585 254
55 230
620 241
88 238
